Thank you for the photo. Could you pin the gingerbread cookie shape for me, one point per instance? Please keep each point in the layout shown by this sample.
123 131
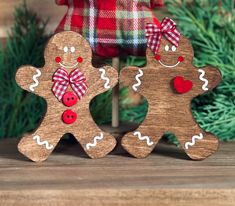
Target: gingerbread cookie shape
169 82
68 82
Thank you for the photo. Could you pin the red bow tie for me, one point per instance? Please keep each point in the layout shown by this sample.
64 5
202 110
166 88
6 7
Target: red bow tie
62 80
154 34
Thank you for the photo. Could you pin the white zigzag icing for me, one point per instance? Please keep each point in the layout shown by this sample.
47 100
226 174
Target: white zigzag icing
96 138
143 138
137 77
194 138
106 85
35 80
37 138
201 77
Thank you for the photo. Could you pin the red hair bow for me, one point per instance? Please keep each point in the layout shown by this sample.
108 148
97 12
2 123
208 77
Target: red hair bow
154 34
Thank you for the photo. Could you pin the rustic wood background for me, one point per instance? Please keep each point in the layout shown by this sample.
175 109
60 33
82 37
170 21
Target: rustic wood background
44 8
165 178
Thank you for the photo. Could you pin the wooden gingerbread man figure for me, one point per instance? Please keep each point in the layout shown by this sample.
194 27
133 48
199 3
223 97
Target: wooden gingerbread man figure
169 82
68 82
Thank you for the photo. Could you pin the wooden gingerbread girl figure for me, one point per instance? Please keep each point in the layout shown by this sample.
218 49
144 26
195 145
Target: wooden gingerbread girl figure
68 82
169 82
113 28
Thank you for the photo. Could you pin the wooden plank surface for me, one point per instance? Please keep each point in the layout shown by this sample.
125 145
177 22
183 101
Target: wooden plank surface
167 177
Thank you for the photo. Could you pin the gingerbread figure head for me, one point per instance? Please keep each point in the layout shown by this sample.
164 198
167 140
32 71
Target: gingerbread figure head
68 82
68 54
170 56
170 82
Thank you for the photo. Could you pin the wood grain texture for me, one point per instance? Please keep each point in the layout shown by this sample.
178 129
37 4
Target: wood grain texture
168 110
52 127
165 178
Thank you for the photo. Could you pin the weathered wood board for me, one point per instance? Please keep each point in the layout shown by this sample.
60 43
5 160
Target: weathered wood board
166 177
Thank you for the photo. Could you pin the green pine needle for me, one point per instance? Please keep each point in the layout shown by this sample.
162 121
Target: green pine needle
211 29
21 111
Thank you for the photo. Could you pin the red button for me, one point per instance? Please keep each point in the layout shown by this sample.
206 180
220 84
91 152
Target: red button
69 99
69 117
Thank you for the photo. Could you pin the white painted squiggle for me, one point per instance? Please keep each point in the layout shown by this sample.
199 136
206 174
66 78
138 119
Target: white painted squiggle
194 138
37 138
137 77
143 138
35 79
106 85
201 77
96 138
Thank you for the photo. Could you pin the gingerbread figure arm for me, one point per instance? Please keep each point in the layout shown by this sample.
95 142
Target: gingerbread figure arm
206 79
28 78
107 78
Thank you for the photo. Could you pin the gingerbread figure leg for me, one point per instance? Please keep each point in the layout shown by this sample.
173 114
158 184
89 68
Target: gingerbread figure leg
94 141
39 145
142 141
197 143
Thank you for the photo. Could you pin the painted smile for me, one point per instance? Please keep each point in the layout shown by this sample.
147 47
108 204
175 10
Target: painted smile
169 66
180 59
68 66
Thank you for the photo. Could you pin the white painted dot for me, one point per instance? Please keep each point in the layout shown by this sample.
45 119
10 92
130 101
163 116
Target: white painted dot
72 49
173 48
66 49
167 48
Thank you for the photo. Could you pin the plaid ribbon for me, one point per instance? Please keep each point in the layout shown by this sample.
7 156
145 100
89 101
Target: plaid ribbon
112 27
62 80
154 34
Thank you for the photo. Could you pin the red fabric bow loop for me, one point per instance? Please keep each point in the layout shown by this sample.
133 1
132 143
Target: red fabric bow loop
62 80
154 34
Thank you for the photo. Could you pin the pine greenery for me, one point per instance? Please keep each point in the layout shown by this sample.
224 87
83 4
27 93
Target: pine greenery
21 111
210 24
212 33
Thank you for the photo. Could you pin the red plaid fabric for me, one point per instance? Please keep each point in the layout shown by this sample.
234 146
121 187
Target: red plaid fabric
112 27
62 80
154 34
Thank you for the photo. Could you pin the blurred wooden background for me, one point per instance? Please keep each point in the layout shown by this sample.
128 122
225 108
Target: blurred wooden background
44 8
